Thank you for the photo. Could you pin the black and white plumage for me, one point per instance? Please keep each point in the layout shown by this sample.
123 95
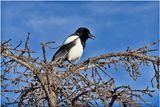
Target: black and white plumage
73 46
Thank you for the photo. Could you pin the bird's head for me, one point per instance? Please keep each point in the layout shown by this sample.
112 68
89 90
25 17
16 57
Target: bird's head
84 33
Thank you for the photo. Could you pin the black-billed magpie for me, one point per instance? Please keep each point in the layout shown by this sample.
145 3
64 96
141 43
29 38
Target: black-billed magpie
73 46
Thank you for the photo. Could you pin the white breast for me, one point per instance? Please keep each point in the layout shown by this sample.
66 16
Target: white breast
75 52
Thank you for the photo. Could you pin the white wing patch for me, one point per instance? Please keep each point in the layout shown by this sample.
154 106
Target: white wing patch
70 39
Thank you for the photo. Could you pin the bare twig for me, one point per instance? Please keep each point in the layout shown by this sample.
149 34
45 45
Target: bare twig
40 83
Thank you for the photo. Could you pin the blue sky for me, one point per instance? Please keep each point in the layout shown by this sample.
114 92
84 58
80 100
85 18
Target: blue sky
116 26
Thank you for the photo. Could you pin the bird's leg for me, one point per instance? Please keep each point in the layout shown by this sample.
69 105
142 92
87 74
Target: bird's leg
71 62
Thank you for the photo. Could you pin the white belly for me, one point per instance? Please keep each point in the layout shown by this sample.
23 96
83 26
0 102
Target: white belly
75 52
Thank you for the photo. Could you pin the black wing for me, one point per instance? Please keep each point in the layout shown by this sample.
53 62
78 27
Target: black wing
62 52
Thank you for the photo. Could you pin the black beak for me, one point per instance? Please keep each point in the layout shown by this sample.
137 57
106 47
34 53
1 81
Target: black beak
91 36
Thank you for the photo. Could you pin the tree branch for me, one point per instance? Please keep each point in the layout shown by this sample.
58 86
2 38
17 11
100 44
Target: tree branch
91 61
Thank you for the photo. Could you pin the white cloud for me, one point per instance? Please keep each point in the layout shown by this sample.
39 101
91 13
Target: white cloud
128 8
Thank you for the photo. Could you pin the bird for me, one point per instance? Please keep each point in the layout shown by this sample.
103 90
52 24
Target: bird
73 46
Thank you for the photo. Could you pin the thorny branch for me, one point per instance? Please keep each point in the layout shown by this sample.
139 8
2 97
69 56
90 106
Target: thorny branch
36 81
